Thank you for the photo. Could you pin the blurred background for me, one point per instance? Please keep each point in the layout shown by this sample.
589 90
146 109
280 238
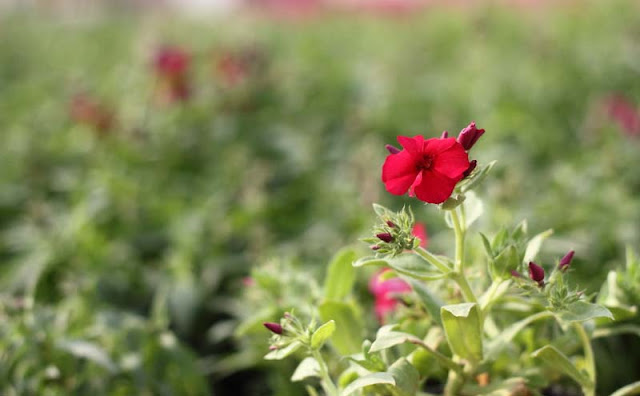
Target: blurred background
155 153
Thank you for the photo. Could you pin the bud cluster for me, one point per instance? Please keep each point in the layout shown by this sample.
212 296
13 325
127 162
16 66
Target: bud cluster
289 330
394 232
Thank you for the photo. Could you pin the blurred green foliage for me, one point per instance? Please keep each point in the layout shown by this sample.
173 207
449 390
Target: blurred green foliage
123 253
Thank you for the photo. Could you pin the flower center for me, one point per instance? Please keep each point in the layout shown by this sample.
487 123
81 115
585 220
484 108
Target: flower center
425 162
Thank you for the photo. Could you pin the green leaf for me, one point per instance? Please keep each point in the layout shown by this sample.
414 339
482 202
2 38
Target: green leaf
340 275
414 267
534 245
477 177
487 245
473 208
322 334
429 300
348 338
282 353
504 339
628 390
581 310
559 361
406 376
463 330
307 368
386 338
368 380
381 211
89 351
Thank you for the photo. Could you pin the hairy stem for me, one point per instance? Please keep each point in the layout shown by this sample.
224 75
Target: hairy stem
325 380
588 356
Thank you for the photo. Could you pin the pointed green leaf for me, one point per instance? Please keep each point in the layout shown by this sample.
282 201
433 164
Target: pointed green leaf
89 351
322 334
381 211
368 380
477 177
462 326
340 275
534 245
487 245
307 368
282 353
386 338
347 319
581 310
559 361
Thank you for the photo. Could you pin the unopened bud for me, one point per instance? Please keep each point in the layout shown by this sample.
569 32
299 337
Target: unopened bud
469 136
390 224
274 327
536 273
374 247
385 237
392 149
515 274
444 135
566 261
472 166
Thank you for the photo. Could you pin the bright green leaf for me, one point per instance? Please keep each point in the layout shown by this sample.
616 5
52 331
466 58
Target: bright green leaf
473 208
534 245
340 275
307 368
406 376
368 380
581 310
386 338
429 300
89 351
322 334
347 318
462 326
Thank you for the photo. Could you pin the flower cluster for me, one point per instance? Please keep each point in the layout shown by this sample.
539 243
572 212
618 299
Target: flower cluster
430 169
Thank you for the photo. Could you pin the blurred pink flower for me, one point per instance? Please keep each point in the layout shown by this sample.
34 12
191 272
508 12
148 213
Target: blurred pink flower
87 110
624 113
385 293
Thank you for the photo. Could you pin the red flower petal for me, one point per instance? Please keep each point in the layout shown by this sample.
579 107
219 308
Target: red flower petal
399 172
420 231
414 145
452 162
435 187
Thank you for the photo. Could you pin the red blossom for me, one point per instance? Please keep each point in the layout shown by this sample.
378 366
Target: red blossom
428 169
385 292
420 231
625 114
171 66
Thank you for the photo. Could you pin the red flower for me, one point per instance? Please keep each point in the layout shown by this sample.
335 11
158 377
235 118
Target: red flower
171 65
386 292
420 231
428 169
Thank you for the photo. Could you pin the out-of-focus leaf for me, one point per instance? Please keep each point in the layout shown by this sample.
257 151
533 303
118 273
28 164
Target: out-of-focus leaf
581 310
368 380
307 368
322 334
340 275
560 362
429 300
463 330
278 354
89 351
406 376
534 245
348 338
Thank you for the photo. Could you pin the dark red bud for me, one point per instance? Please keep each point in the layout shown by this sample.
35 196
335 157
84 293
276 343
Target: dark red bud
536 273
515 274
390 224
274 327
385 237
566 261
444 135
469 136
392 149
375 247
472 166
273 347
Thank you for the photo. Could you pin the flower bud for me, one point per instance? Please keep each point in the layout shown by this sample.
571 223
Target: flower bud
472 166
390 224
385 237
536 273
274 327
469 136
566 261
444 135
374 247
392 149
515 274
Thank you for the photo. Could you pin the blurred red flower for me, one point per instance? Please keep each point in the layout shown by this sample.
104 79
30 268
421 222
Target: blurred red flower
86 110
385 293
171 66
420 231
428 169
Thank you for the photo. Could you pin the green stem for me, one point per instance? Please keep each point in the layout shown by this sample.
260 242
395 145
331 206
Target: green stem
465 288
631 389
327 384
442 359
458 275
432 259
588 356
455 381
